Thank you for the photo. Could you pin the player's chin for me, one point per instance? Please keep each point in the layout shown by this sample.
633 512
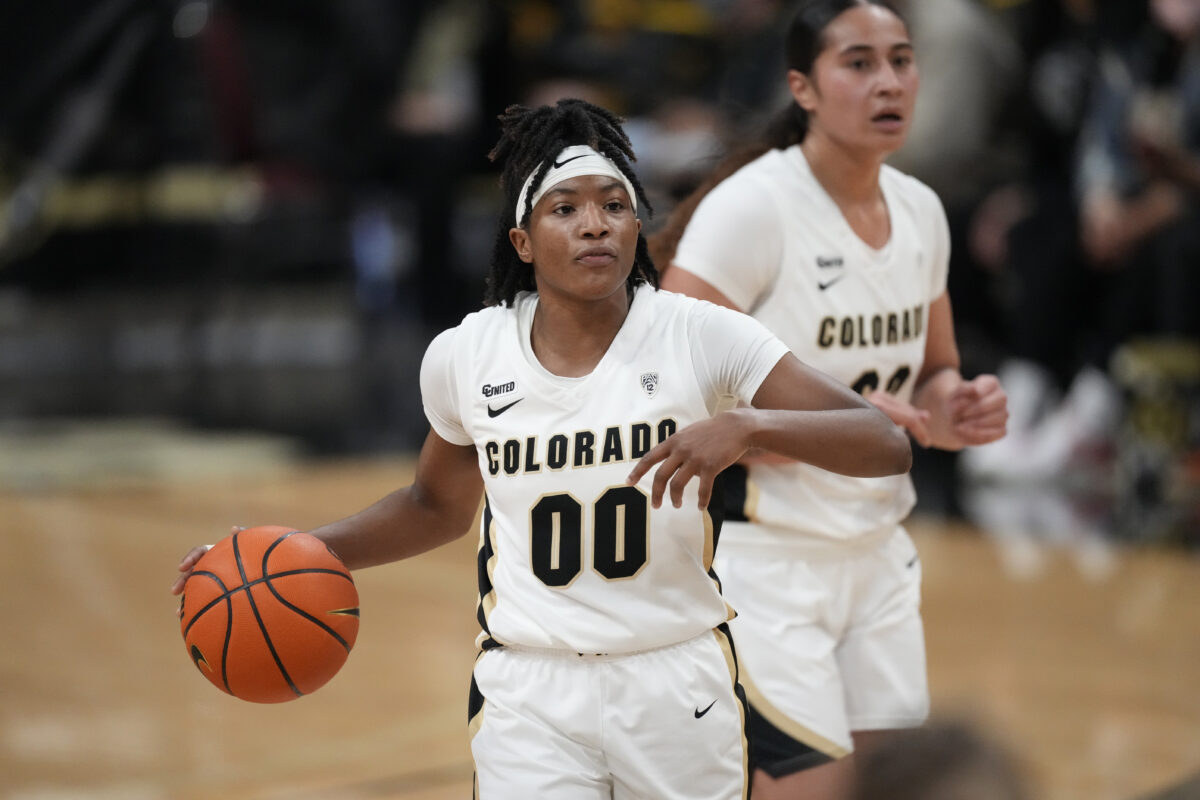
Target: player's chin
888 140
599 286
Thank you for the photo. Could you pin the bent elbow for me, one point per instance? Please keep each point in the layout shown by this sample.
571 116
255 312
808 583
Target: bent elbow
897 456
904 453
890 453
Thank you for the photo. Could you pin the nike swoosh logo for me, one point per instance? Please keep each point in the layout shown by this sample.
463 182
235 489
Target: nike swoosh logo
823 285
495 412
911 562
700 713
558 164
199 658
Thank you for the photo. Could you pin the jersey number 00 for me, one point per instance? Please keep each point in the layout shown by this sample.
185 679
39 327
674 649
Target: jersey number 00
619 539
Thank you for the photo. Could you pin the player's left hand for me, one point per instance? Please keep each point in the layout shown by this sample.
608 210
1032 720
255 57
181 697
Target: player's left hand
701 450
978 410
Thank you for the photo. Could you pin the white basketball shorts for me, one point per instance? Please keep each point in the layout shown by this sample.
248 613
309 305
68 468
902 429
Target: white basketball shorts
666 723
828 644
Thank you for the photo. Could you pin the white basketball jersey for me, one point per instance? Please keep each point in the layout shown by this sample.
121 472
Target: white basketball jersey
570 557
775 243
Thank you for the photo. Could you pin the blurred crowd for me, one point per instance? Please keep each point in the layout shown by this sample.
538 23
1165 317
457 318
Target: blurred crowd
1063 137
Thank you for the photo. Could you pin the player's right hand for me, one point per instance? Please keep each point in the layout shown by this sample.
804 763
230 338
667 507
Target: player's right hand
700 450
185 566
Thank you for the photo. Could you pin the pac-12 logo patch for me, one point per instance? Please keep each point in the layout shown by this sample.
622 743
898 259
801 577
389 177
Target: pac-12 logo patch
650 383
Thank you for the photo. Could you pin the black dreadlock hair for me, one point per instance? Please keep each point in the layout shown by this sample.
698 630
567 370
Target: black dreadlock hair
529 140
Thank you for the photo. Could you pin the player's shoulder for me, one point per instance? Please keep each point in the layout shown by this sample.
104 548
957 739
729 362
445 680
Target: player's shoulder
910 188
664 301
773 168
474 330
691 311
486 320
758 178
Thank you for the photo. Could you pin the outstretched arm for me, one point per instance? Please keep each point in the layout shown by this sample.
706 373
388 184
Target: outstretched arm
799 413
437 508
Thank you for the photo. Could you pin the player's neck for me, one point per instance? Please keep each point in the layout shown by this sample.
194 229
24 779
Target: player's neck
569 339
848 175
851 179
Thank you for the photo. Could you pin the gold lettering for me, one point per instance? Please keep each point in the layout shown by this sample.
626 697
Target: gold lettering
585 452
613 449
640 440
556 452
620 546
825 335
531 464
847 332
512 456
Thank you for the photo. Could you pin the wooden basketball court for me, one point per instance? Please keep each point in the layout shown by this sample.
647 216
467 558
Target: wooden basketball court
1088 669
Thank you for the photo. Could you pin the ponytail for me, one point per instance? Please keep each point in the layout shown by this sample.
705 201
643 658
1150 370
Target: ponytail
786 128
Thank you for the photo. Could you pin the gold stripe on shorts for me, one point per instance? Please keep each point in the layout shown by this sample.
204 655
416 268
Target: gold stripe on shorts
788 725
731 662
750 508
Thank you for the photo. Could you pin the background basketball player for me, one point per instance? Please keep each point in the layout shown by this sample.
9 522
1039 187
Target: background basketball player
845 259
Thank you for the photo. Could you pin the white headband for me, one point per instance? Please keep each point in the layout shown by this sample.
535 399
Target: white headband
571 163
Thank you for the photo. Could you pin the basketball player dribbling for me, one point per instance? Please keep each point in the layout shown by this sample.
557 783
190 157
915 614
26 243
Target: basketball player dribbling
593 412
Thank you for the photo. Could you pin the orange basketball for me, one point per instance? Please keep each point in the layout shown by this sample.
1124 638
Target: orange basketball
269 614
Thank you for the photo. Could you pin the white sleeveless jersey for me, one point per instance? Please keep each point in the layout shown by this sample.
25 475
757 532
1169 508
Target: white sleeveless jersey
570 557
776 244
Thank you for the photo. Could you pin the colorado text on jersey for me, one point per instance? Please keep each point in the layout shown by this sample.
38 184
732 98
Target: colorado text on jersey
879 329
614 444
